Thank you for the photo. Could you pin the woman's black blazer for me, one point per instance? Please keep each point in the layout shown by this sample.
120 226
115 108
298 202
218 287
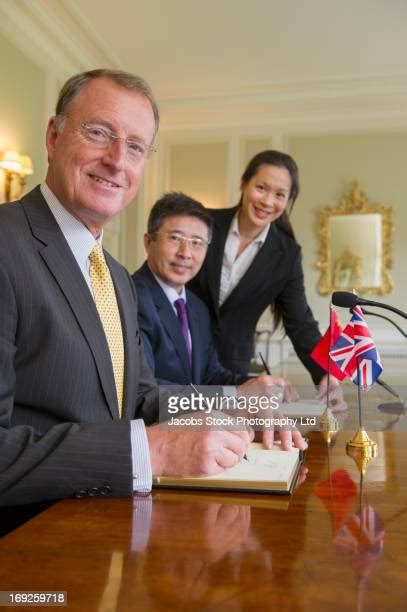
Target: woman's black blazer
275 276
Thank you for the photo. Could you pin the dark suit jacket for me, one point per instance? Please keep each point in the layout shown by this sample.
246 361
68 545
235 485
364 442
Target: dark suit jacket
275 276
164 343
60 431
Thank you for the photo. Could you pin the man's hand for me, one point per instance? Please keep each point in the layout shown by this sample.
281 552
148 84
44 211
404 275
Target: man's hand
266 384
224 528
195 453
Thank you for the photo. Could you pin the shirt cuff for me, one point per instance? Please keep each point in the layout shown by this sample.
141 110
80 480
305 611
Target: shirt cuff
140 455
229 390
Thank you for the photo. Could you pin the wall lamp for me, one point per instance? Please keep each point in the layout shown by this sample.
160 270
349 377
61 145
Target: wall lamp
15 167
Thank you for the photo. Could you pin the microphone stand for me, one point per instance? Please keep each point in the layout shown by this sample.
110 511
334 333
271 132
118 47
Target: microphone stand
376 314
389 407
362 302
346 299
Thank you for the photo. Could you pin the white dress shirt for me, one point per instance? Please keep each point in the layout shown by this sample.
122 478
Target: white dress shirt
234 268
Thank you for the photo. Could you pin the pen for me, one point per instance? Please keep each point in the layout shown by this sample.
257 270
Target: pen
199 393
265 366
194 388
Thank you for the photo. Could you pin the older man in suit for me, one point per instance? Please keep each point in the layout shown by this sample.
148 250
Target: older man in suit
75 388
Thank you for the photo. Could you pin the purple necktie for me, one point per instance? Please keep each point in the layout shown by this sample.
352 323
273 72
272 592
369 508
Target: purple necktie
183 319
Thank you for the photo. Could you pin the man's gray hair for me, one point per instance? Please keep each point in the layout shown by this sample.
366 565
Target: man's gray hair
124 79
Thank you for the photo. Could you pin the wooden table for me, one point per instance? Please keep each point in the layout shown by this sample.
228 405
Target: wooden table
204 551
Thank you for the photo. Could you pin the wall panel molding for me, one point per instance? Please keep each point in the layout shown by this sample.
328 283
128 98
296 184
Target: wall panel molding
54 36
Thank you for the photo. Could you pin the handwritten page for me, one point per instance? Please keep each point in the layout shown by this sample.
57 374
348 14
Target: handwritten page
275 465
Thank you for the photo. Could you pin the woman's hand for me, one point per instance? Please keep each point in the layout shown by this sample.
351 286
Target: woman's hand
335 393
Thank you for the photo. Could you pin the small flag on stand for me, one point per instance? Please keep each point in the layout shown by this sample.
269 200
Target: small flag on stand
355 352
320 354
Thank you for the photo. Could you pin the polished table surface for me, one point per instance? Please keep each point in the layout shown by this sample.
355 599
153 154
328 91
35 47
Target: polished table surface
339 543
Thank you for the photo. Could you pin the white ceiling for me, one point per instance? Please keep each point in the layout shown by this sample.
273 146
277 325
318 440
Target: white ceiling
216 47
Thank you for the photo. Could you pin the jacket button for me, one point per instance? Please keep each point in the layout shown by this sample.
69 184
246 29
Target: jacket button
80 493
105 489
93 491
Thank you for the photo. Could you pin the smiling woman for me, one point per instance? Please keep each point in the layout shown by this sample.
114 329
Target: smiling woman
254 262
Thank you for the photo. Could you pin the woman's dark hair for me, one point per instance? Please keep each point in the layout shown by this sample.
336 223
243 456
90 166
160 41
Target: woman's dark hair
282 160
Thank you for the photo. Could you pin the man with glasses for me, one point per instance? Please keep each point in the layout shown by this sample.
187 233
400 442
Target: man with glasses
174 323
75 388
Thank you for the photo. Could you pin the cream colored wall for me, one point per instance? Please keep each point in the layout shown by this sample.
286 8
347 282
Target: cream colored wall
207 162
327 165
22 104
27 99
251 147
199 170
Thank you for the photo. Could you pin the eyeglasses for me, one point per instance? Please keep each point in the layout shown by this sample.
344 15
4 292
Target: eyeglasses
100 136
176 240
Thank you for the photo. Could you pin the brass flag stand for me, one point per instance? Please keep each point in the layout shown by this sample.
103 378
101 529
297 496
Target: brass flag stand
361 448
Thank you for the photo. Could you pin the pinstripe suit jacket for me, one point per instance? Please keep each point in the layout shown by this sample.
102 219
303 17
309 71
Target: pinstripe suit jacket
59 425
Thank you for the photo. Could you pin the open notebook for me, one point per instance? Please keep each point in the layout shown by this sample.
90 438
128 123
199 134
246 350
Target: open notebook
266 471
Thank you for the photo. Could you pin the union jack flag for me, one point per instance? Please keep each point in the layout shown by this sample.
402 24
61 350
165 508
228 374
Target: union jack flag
362 532
356 345
360 541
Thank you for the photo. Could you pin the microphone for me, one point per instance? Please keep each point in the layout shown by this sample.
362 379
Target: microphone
347 299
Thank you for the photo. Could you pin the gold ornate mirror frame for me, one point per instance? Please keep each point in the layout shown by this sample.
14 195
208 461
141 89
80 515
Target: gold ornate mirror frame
355 250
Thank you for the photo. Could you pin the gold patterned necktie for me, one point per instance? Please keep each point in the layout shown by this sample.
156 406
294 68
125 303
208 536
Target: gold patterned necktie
106 304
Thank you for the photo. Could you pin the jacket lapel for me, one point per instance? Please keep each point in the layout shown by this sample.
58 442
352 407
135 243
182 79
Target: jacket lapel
168 318
131 336
63 267
215 254
195 329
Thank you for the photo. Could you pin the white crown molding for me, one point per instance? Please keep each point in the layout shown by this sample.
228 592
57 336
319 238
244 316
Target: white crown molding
373 101
54 35
300 88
